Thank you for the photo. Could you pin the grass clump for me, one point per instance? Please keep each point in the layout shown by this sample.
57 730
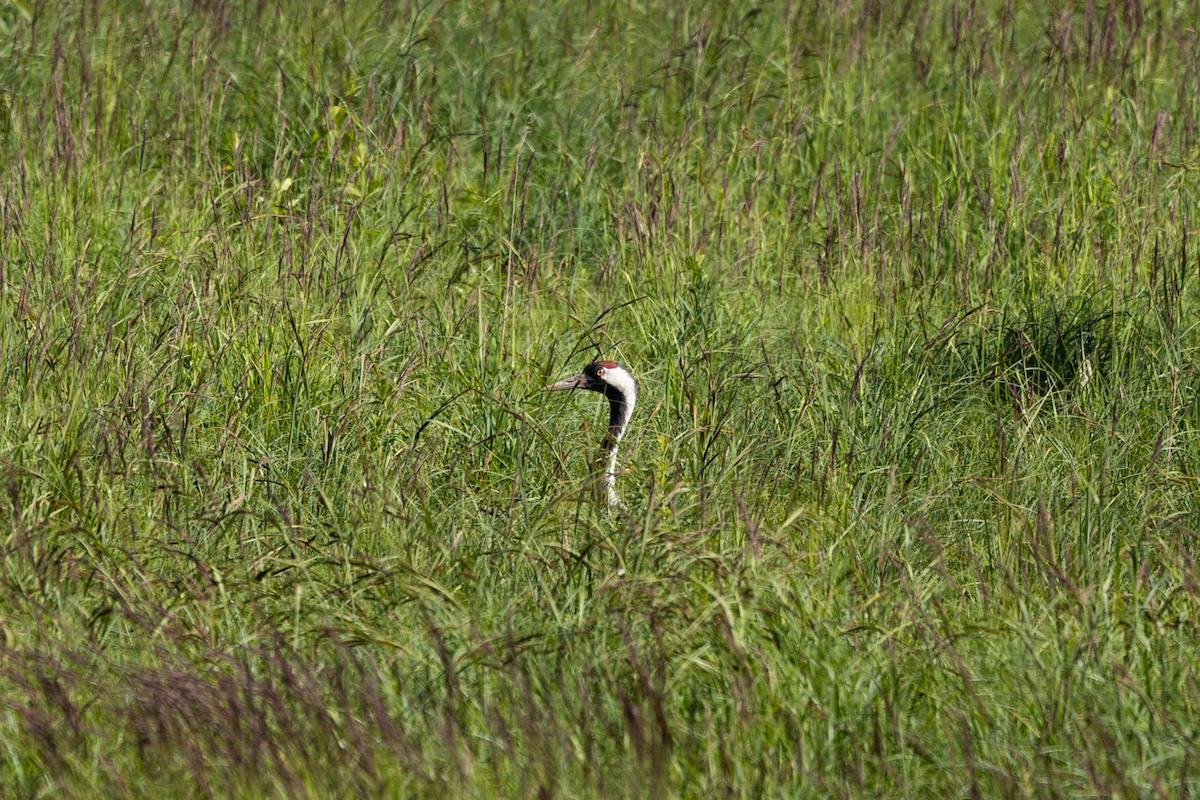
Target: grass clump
911 486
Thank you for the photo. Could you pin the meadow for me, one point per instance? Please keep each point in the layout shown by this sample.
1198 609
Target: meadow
910 494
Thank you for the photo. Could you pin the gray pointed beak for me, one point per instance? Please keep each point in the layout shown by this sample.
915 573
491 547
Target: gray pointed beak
568 383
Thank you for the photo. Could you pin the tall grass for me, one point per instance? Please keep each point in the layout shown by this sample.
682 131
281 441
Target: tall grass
910 292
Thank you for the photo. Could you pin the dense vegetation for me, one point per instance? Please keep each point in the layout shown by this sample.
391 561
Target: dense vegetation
911 293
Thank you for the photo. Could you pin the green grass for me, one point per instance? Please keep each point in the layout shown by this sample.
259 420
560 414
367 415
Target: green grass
910 291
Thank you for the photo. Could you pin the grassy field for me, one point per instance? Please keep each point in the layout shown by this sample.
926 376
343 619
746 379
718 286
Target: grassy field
911 293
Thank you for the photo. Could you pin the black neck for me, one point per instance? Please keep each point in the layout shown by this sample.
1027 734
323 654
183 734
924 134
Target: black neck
618 412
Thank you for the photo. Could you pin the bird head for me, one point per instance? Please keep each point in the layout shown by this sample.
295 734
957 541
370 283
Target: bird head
607 377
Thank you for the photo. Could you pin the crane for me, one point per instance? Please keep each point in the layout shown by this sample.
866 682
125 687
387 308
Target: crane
616 383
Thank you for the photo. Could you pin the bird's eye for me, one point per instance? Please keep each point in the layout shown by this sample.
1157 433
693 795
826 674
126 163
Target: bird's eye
600 372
